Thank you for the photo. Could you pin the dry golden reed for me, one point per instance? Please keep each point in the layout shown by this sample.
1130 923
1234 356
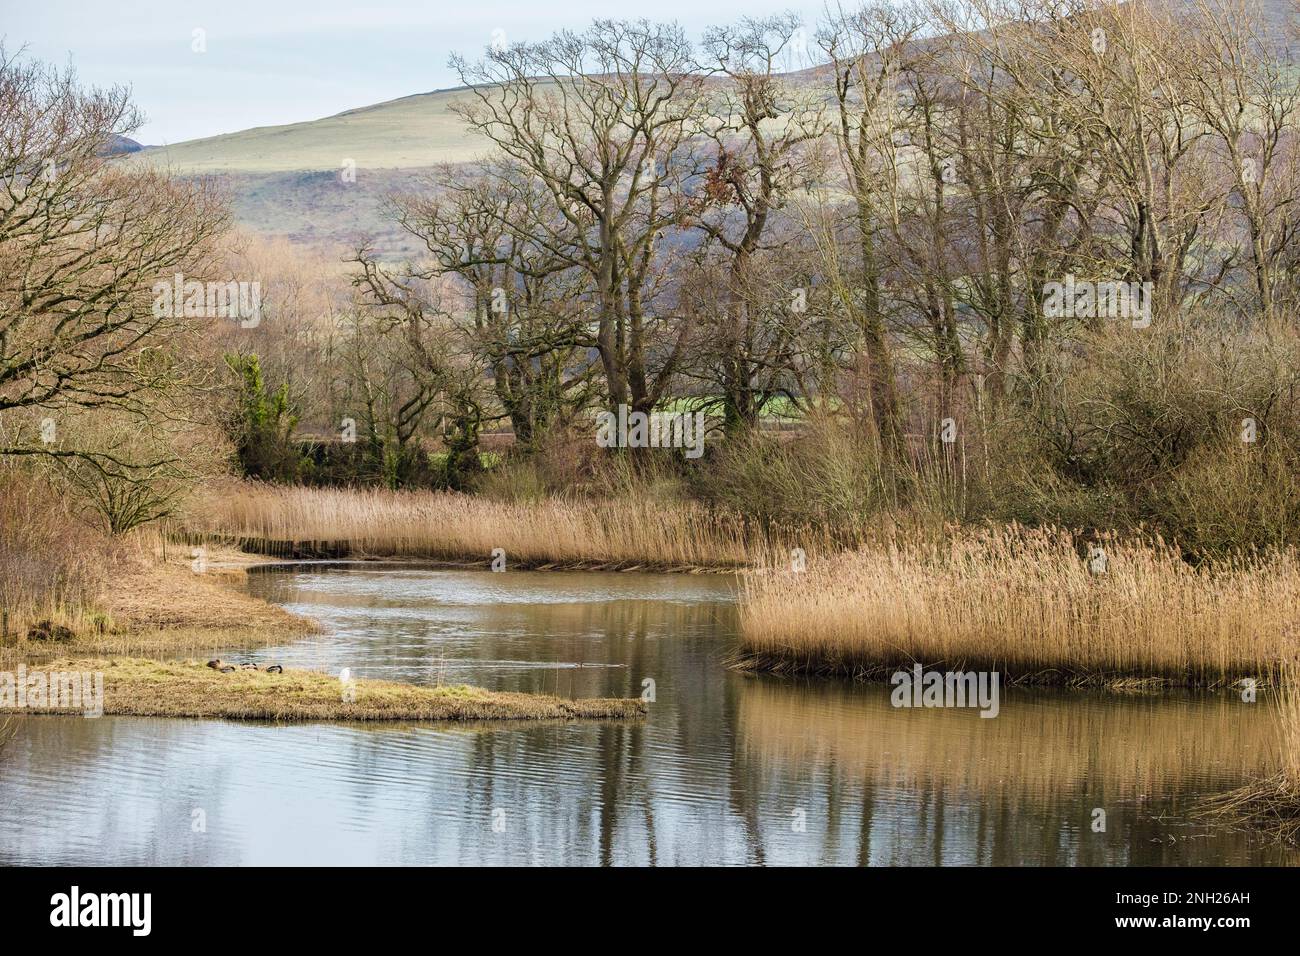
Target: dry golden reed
627 533
1029 604
51 566
1272 803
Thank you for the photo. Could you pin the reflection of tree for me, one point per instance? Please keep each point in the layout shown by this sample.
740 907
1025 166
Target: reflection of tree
112 800
716 769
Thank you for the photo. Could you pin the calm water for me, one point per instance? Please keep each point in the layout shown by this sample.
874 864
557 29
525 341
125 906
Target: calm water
723 771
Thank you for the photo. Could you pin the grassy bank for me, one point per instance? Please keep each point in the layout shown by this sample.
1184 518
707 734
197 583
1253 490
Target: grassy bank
150 688
625 534
1028 604
68 588
148 606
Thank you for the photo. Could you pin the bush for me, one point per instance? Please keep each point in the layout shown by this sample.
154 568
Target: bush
262 426
1153 428
827 474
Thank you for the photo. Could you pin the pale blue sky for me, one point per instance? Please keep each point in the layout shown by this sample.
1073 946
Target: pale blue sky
282 61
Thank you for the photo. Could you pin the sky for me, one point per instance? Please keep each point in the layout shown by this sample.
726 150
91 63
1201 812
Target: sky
268 62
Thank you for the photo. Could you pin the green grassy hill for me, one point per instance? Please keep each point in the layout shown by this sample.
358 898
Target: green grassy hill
414 131
285 180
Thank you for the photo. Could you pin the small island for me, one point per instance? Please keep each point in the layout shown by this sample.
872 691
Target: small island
150 688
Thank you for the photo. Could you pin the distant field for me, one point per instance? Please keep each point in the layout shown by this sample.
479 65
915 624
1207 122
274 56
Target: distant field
413 131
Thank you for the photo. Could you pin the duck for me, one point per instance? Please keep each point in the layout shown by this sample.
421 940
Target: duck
275 669
248 666
217 664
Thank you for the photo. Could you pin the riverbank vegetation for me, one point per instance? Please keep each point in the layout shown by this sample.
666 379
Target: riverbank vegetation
67 586
620 533
1272 803
151 688
1035 605
937 280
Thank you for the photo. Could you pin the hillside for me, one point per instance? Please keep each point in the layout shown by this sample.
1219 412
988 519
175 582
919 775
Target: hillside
285 180
414 131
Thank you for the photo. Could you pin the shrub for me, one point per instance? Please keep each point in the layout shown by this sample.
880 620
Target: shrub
262 426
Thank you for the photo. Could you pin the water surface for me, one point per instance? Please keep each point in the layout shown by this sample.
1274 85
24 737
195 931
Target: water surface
726 769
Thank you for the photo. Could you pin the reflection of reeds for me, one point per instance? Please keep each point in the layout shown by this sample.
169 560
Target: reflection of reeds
1027 604
1272 803
1040 747
626 533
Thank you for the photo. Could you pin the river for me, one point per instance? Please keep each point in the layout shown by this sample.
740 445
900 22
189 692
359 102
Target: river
726 769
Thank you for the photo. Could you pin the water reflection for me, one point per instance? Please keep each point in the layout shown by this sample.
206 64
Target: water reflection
947 787
724 770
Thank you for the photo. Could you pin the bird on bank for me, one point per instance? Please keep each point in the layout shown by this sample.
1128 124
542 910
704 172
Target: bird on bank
217 664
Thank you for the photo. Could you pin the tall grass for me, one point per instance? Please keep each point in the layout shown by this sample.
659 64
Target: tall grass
624 533
52 566
1289 723
1272 803
1029 604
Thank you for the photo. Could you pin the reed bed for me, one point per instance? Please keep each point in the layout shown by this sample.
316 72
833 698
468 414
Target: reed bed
623 534
1031 604
1272 803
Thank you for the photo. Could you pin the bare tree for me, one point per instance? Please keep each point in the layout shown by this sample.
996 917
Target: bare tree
519 305
868 49
1243 88
403 359
82 244
603 120
764 150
